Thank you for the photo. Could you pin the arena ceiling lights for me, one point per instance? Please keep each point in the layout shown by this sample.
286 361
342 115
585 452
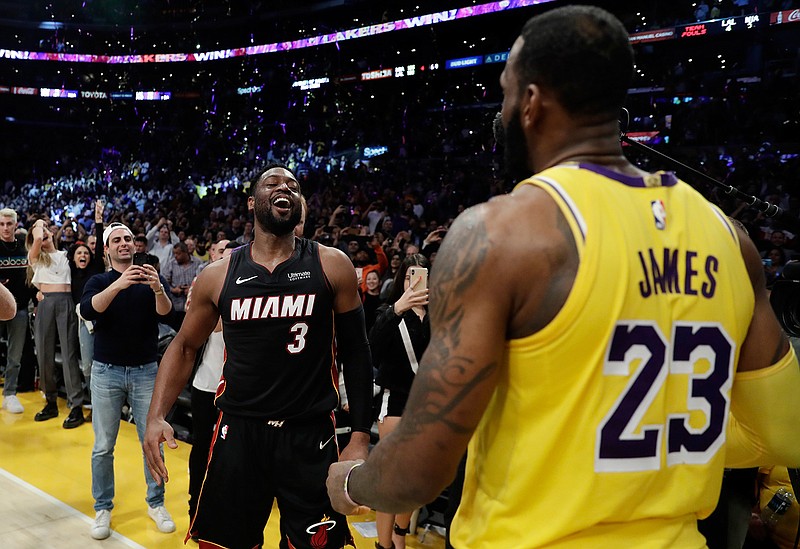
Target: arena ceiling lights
320 40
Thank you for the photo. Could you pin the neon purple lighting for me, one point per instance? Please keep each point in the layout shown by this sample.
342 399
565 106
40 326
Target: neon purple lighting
314 41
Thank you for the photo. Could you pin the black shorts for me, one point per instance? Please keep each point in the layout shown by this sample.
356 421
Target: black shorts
252 463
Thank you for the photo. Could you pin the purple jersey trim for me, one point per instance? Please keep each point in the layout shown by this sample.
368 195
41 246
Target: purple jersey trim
668 179
725 223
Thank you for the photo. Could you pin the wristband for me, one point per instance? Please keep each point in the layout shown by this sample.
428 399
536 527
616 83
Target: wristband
347 497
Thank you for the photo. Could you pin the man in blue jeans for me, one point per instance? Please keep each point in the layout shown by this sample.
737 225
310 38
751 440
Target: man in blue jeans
126 304
13 262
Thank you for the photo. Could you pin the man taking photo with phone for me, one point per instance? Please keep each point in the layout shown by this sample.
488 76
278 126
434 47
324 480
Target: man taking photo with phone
128 299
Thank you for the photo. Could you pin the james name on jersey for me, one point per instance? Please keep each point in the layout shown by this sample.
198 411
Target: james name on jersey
274 306
677 272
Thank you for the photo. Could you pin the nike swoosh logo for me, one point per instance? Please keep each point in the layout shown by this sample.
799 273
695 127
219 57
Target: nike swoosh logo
324 444
241 280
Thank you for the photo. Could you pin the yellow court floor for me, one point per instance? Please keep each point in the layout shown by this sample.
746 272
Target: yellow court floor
45 489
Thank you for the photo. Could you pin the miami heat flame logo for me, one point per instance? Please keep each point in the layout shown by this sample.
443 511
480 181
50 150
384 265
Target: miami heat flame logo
319 532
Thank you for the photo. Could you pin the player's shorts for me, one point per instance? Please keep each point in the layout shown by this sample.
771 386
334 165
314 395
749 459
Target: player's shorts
253 462
392 404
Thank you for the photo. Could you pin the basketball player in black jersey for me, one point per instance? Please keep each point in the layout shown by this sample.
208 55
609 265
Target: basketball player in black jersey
281 300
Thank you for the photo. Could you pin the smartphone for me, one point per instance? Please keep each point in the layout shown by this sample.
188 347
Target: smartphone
419 278
141 258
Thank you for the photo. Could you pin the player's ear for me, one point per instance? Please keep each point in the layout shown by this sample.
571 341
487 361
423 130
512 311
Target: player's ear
531 105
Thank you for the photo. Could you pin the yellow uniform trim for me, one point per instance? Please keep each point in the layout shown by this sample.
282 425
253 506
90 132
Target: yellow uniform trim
764 416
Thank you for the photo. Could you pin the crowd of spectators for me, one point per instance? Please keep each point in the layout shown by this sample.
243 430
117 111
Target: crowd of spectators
402 201
383 209
400 205
385 173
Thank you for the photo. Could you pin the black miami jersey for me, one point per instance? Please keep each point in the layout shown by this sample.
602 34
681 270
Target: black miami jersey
278 331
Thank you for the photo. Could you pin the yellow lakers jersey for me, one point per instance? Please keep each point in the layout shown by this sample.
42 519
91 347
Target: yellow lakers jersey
607 427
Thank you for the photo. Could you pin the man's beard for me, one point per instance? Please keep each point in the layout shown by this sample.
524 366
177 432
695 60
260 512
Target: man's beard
516 149
275 225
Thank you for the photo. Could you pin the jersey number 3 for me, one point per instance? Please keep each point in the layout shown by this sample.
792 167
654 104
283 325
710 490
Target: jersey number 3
299 331
624 443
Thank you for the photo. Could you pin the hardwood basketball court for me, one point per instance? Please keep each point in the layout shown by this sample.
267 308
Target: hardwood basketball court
45 482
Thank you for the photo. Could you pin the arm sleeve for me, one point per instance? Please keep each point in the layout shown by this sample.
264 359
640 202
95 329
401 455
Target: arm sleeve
764 424
353 350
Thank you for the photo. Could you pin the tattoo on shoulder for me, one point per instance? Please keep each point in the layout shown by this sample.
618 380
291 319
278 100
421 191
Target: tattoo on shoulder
438 390
458 264
451 378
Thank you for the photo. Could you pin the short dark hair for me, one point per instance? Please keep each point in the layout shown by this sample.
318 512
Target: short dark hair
272 166
180 246
74 248
583 54
140 238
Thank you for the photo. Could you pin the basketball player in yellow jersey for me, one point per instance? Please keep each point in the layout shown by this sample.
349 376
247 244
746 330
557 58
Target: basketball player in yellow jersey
601 336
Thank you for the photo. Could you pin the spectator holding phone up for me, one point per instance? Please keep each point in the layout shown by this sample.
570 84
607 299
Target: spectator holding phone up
398 339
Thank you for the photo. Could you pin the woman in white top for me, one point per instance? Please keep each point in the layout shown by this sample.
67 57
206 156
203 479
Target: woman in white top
55 315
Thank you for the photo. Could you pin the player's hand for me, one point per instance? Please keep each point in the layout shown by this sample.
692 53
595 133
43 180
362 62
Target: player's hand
337 473
357 449
157 431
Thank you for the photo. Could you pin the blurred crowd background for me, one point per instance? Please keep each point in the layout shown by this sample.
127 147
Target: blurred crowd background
414 150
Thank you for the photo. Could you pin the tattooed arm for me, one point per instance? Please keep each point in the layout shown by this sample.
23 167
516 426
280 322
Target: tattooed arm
503 271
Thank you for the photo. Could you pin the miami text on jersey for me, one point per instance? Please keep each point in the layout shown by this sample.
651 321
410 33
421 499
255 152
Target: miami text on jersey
273 306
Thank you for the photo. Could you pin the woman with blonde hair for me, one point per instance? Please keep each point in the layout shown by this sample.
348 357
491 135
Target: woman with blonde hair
55 315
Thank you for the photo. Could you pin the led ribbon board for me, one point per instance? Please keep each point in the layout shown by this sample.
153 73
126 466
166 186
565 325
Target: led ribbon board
321 40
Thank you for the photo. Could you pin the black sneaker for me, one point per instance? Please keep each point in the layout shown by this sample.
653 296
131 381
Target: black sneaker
49 411
75 418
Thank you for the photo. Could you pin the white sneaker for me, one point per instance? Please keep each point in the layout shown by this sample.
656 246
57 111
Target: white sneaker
12 404
162 518
102 524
